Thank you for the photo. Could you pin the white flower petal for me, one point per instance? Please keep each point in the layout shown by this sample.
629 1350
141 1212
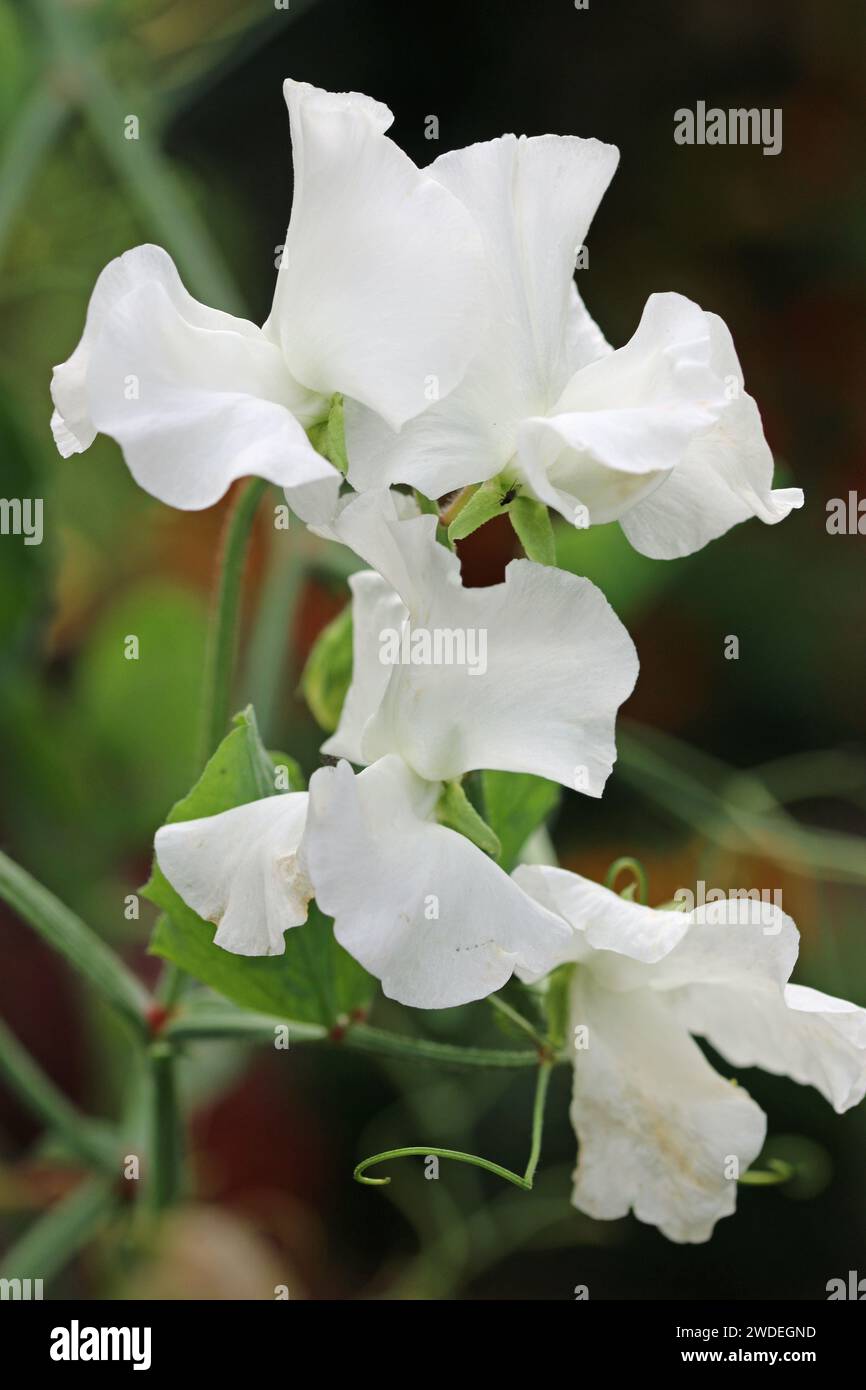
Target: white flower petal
417 904
814 1038
723 970
375 607
725 476
240 870
603 920
195 398
379 288
657 1127
531 671
533 200
626 419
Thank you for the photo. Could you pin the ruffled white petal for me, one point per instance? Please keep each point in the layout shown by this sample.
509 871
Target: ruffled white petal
657 1127
814 1038
725 476
604 922
728 981
626 419
195 397
379 292
417 904
531 671
240 870
723 971
375 608
533 200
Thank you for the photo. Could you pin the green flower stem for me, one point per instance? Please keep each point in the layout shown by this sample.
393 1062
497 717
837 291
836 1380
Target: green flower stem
417 1150
164 1177
196 1021
213 1020
90 1141
60 1233
541 1085
166 1151
634 866
222 639
517 1019
367 1039
68 935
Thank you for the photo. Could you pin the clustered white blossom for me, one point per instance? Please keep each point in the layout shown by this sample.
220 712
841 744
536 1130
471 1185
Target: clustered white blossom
441 304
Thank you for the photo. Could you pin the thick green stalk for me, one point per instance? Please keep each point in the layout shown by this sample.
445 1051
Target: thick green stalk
68 935
223 636
164 1176
213 1020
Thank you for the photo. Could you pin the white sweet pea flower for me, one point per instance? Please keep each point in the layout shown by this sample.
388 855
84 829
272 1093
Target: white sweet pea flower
658 435
420 906
416 903
375 295
542 665
529 675
241 870
659 1130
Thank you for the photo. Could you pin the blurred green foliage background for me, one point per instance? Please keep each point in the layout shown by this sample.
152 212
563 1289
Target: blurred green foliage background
742 773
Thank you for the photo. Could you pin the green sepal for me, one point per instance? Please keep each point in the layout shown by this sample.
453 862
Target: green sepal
425 504
531 521
328 436
557 1004
484 504
336 435
455 810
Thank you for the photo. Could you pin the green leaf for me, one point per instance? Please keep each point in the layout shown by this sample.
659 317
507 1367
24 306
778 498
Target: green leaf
328 673
531 521
483 505
515 805
316 980
288 776
455 810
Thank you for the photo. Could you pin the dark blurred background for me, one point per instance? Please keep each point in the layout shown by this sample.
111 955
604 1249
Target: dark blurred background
742 773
